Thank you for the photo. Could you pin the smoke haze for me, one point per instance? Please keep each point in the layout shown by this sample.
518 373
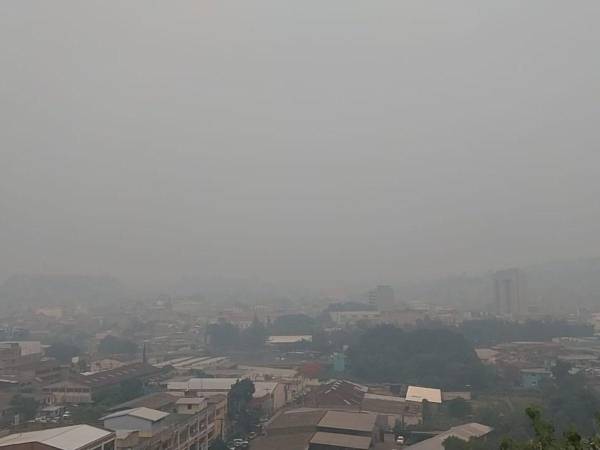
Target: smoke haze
302 141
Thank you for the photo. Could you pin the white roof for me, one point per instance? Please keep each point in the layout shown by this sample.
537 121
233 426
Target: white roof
63 438
418 394
289 339
152 415
464 432
202 384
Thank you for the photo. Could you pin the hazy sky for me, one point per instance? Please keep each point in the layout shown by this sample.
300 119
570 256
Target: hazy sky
310 140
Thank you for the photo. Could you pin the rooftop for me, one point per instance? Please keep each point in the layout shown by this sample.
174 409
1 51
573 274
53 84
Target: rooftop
201 384
152 415
113 376
296 418
292 441
418 394
289 339
157 400
63 438
341 440
464 432
343 420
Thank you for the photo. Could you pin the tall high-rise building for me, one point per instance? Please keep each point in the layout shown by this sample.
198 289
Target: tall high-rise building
509 292
382 297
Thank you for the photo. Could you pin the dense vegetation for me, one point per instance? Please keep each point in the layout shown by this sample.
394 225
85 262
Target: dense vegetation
226 336
112 345
483 333
63 352
243 418
291 324
429 357
544 438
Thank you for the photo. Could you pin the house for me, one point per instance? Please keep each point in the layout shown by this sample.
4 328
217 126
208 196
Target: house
77 437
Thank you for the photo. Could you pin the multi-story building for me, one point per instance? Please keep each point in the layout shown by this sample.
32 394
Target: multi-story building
150 429
382 297
509 292
268 396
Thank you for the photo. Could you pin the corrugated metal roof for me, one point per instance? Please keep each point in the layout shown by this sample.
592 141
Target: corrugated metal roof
199 384
343 420
152 415
341 440
63 438
418 394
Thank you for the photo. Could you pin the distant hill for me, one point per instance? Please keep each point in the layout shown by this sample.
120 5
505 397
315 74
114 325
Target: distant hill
61 289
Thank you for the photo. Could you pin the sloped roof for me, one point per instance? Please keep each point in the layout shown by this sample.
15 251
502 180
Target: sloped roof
345 420
114 376
62 438
199 384
152 415
156 400
296 418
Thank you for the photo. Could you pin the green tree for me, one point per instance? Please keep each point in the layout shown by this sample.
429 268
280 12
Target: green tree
223 336
432 357
218 444
63 352
291 324
255 335
111 345
459 408
454 443
25 407
240 396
